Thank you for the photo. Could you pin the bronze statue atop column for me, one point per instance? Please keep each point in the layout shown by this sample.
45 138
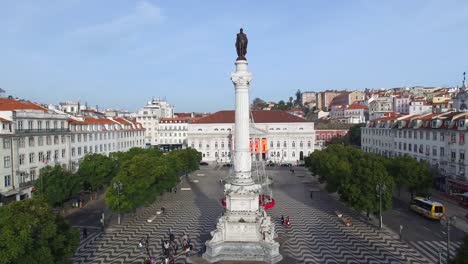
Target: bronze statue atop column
241 45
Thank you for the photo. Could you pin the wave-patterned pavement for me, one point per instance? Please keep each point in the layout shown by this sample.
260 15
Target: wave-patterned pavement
316 234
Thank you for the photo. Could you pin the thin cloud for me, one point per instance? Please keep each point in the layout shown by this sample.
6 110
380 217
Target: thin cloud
143 16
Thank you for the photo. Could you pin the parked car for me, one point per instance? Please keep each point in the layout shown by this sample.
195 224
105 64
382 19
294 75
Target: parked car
271 164
203 163
286 165
227 165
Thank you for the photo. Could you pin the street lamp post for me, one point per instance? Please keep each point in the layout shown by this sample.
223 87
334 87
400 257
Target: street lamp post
118 186
380 188
448 221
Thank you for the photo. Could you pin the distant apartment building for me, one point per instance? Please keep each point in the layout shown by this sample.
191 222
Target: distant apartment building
325 98
149 117
419 107
323 136
348 98
401 103
173 132
355 113
380 106
309 99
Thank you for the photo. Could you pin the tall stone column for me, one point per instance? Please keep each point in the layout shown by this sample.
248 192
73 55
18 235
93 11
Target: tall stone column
242 161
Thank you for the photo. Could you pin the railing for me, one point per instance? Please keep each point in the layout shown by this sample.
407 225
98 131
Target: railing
28 131
27 184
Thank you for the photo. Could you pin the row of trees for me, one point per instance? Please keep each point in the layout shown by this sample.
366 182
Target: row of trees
145 175
132 168
31 233
356 175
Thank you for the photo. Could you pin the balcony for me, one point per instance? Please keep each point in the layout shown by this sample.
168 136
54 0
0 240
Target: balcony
35 131
27 184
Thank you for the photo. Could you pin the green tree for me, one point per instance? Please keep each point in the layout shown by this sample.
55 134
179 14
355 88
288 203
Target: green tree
462 253
420 179
401 169
97 170
57 185
354 134
298 98
281 105
31 233
360 190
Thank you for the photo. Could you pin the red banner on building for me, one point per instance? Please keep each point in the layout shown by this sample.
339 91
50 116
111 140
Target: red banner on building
264 145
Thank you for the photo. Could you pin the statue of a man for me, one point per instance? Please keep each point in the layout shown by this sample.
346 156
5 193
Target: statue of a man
241 45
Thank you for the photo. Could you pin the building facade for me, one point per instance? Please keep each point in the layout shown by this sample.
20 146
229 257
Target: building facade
149 117
275 136
33 137
438 138
173 133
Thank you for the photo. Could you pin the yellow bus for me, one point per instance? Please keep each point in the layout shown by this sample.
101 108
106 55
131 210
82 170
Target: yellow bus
428 208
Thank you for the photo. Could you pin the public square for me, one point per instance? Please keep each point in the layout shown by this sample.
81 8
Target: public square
316 234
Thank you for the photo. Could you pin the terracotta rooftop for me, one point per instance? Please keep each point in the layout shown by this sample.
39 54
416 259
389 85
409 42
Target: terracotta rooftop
260 116
174 119
357 106
3 120
7 104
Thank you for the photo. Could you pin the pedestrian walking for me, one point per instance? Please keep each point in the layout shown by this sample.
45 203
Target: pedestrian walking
85 233
282 220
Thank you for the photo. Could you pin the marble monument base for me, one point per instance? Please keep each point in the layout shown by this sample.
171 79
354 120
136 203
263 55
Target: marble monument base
242 251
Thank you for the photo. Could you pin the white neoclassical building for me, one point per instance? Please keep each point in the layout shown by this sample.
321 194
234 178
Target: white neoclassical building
276 136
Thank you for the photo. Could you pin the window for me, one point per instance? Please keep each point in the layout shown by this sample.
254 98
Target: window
278 144
6 143
462 155
31 141
79 151
308 144
410 134
41 157
21 159
78 137
21 142
73 152
453 155
39 125
285 144
6 162
48 155
409 147
442 151
199 145
72 138
48 140
30 124
441 136
434 151
31 158
301 144
434 135
62 138
32 173
462 139
56 140
7 180
271 144
47 125
56 155
40 140
20 125
293 144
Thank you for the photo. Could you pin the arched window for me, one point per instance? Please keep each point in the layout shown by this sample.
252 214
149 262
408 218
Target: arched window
285 144
308 144
284 154
215 129
293 144
277 144
294 154
222 144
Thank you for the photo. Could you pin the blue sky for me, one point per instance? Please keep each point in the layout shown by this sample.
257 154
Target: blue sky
120 53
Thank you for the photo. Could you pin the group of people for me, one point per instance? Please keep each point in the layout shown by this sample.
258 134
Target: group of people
170 246
285 222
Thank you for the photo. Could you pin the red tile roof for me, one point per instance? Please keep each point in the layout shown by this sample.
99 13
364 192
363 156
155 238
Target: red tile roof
3 120
173 119
354 106
259 116
13 104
